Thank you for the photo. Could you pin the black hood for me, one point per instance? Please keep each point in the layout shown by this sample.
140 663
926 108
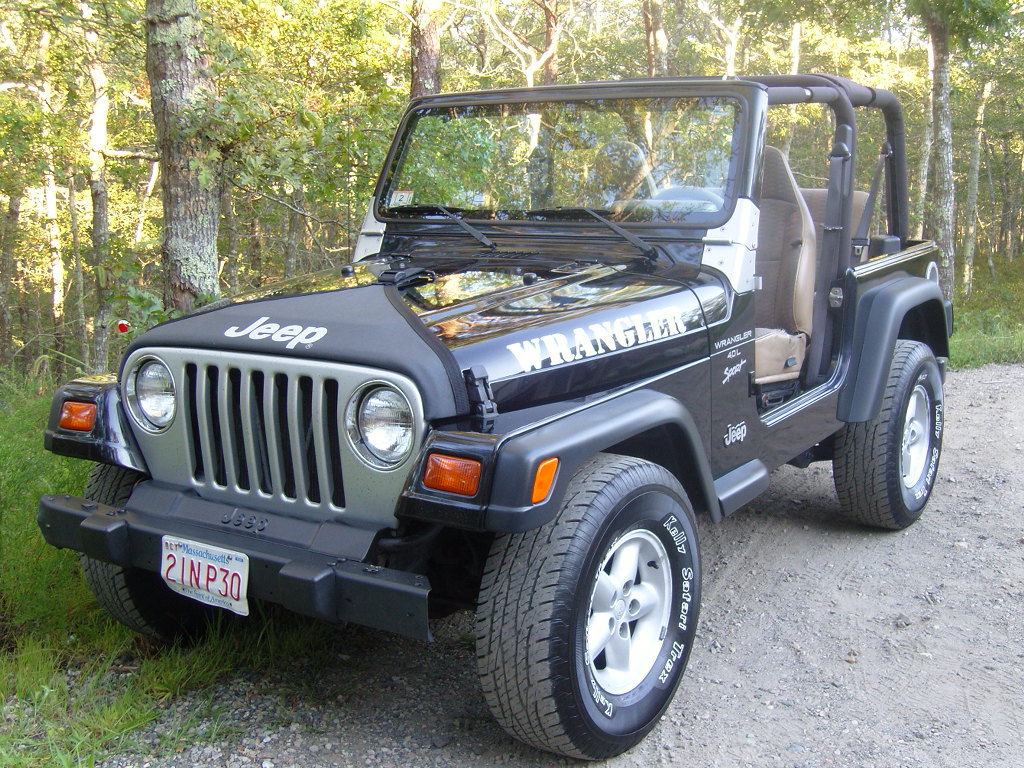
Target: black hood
368 325
542 328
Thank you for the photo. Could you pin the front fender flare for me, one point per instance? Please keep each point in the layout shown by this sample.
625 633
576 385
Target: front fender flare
575 438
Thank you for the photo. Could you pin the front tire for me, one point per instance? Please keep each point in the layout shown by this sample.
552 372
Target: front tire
884 469
137 598
585 625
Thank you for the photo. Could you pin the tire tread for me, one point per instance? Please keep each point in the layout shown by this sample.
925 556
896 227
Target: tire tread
514 674
864 471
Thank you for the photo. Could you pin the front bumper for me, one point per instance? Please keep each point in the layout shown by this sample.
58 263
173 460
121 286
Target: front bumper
311 568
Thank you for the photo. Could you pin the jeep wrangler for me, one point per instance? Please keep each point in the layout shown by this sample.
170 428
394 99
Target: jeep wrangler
576 316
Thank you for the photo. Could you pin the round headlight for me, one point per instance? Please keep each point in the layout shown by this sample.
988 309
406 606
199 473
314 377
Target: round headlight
150 391
380 424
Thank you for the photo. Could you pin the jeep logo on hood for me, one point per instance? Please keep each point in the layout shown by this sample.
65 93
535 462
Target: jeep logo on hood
292 334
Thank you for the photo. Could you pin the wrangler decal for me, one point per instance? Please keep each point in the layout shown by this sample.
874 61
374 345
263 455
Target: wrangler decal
601 338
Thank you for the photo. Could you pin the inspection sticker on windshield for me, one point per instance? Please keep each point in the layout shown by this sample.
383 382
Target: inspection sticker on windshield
209 574
401 197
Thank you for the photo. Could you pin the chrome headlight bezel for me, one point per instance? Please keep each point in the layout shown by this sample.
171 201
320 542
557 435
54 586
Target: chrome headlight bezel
139 395
361 423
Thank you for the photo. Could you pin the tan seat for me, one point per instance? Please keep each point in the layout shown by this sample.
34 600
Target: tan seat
786 265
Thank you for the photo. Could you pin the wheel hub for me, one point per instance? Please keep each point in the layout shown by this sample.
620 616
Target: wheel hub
629 611
914 443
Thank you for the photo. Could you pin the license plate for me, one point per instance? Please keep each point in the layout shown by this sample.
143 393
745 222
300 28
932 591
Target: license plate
206 573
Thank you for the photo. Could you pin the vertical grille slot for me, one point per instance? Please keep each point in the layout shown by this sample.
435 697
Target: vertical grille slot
195 447
255 431
329 447
213 426
232 413
309 428
282 409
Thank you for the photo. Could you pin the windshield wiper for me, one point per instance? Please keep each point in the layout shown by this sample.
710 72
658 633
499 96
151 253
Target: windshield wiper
645 248
449 214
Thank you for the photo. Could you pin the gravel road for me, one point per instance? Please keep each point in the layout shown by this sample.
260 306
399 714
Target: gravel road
820 643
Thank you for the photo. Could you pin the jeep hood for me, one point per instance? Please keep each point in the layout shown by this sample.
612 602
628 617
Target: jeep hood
572 330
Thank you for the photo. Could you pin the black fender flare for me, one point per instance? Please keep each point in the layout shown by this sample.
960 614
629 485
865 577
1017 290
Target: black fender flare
111 441
881 312
573 439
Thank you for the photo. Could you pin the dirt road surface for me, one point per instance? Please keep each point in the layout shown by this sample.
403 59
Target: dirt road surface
820 643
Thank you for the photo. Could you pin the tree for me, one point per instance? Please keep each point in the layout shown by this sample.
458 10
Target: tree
950 22
425 48
656 38
516 37
974 169
182 91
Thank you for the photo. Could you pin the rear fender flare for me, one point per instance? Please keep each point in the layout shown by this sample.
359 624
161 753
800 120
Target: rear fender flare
908 308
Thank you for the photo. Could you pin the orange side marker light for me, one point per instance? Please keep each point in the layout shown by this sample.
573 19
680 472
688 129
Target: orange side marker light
76 416
544 479
452 474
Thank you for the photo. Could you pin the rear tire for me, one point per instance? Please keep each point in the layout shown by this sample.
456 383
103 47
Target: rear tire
884 469
135 597
585 625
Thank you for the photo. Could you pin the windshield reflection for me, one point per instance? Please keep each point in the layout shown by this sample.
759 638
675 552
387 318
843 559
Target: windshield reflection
664 160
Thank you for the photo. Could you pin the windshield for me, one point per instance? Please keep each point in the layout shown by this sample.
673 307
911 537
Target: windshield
644 160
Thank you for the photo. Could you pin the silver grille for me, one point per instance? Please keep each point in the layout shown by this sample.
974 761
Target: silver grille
272 434
268 432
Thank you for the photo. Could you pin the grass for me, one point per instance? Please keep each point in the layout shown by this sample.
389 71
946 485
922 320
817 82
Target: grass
989 326
74 685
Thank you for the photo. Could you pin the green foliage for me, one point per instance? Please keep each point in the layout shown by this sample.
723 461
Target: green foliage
308 95
990 324
966 20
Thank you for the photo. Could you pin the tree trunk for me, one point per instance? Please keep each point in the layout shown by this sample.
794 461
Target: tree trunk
7 274
425 53
77 273
255 250
943 207
926 153
657 40
531 58
552 33
53 247
230 229
98 139
143 198
1015 221
296 226
795 40
973 171
181 86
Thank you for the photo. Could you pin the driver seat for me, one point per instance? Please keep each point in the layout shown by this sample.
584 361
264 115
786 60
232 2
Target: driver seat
784 306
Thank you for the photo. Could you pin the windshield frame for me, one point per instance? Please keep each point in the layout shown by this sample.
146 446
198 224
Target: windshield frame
750 100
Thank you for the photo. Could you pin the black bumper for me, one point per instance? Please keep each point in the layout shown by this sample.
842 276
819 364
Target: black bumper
308 574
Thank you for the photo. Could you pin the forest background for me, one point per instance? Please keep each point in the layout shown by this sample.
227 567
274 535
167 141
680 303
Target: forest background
273 143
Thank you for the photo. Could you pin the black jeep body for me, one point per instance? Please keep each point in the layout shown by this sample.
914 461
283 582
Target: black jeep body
556 347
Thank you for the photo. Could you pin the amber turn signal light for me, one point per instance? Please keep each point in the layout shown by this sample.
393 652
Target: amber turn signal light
544 479
452 474
80 417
